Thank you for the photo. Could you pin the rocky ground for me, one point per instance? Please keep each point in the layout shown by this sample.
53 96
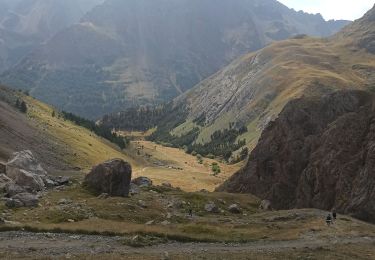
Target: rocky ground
39 245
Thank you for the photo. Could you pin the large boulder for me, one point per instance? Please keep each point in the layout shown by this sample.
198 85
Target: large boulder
26 172
28 180
22 200
25 160
112 177
12 189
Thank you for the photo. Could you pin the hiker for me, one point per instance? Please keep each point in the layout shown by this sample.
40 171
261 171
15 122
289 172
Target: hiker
334 214
329 220
190 212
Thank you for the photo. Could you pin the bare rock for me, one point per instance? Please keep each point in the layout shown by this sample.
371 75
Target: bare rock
60 180
167 185
12 189
64 202
265 205
142 182
2 167
25 160
235 209
27 180
103 196
4 181
22 200
142 204
111 177
149 223
211 208
134 189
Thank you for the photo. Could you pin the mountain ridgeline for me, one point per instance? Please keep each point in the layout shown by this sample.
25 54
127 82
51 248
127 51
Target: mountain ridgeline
125 53
26 24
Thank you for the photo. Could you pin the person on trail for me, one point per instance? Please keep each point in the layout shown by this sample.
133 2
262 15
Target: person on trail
334 214
190 212
329 220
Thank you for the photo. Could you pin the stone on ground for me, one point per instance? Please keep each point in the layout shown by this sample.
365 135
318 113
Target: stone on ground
142 182
234 208
111 177
211 208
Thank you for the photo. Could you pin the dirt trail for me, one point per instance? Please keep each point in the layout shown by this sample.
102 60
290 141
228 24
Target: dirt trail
58 245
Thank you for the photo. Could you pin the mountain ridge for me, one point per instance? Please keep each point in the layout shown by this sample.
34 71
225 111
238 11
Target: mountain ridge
162 49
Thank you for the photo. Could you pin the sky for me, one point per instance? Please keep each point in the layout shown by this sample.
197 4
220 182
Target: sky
332 9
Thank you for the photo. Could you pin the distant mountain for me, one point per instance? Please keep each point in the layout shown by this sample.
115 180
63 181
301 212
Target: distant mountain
25 24
253 90
129 52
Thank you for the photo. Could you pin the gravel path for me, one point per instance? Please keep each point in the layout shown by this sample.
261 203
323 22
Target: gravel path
57 245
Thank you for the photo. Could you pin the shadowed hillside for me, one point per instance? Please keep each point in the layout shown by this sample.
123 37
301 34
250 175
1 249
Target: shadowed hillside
126 52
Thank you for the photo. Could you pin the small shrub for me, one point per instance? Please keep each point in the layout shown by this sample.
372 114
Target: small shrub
216 168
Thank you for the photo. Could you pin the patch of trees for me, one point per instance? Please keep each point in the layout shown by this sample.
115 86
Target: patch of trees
101 131
223 144
139 118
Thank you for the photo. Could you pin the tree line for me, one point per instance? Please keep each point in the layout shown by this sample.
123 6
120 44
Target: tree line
99 130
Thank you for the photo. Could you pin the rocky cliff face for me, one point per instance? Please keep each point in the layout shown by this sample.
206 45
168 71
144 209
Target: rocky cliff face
318 153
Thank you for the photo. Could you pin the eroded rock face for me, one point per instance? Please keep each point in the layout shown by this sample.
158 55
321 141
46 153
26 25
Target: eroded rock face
318 153
111 177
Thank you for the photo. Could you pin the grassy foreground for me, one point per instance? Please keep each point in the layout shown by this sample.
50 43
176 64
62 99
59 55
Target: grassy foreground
160 212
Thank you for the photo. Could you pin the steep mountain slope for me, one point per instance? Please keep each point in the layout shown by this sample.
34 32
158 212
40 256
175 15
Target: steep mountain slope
58 143
253 89
318 153
25 24
131 52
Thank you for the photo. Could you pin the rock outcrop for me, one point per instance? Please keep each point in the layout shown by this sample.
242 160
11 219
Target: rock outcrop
318 153
24 179
25 160
112 177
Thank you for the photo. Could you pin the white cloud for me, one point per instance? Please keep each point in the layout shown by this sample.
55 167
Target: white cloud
332 9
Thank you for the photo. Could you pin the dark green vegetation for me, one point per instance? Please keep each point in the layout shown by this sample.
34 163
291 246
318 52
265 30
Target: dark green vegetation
222 143
99 130
141 118
167 117
127 53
